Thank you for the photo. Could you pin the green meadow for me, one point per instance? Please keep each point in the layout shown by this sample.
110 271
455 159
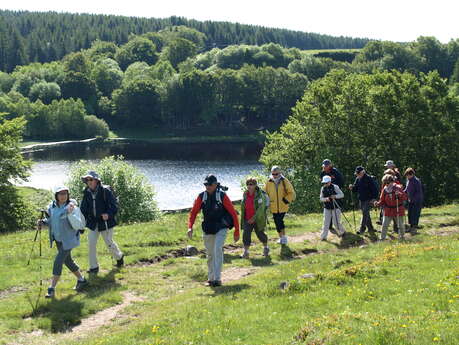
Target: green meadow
351 291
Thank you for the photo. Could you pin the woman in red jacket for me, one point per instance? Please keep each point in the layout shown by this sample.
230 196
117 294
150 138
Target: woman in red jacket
391 199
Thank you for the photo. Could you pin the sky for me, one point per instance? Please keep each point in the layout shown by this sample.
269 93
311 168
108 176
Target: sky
395 20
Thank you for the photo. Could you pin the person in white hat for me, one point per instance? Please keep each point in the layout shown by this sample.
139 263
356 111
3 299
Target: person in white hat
64 235
100 206
330 195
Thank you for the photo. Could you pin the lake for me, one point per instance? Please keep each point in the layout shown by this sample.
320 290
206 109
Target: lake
176 170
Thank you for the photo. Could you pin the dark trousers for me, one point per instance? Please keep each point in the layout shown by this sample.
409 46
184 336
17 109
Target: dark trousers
279 221
366 217
414 212
247 234
63 257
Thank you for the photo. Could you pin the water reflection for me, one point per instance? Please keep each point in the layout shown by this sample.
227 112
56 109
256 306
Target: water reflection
176 170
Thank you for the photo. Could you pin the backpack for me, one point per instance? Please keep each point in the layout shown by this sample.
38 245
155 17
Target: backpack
227 218
107 187
375 182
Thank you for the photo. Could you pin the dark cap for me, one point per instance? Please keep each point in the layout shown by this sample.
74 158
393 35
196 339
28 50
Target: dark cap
326 163
359 169
210 179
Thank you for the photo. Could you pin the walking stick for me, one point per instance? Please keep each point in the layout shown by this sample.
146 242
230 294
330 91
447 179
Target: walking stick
344 216
34 305
353 212
398 223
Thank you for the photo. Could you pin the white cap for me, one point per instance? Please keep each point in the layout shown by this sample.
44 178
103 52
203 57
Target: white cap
60 189
326 179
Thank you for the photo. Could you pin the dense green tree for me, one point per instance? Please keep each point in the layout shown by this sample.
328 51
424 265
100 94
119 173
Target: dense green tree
107 76
178 50
46 92
138 49
138 103
364 119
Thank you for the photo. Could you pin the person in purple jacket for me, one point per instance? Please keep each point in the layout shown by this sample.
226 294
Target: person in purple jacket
415 199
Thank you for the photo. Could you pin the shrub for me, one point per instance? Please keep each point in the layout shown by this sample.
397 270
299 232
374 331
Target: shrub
136 195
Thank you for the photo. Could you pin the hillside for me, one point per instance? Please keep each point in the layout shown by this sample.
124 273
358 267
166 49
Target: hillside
50 36
354 291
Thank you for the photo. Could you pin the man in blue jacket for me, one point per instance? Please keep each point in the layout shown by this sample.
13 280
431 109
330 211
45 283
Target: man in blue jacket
367 191
99 207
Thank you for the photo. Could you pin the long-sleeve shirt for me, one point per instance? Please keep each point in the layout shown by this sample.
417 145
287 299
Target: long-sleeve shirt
227 204
414 190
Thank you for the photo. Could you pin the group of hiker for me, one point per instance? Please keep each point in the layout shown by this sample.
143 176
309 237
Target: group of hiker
99 206
66 222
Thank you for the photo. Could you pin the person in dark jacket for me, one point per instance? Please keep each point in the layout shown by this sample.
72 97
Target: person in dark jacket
329 170
367 191
219 215
415 199
99 207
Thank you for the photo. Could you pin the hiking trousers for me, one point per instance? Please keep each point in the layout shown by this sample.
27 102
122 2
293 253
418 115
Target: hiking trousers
214 250
332 216
366 217
247 234
414 212
400 223
63 257
107 235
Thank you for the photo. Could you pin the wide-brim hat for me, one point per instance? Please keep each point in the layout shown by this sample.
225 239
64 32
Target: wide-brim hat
60 189
91 174
326 179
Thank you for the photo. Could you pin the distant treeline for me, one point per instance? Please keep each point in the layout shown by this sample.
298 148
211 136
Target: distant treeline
27 37
166 79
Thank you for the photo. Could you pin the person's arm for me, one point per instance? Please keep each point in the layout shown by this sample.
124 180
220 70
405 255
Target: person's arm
194 212
290 194
228 205
339 179
339 192
353 187
84 207
321 197
112 207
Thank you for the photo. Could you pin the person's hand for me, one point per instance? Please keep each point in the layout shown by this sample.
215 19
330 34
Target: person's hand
376 204
332 196
351 186
70 208
251 220
190 233
236 236
40 223
104 216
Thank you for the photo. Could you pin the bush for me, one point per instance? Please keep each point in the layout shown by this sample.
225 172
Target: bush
96 127
136 195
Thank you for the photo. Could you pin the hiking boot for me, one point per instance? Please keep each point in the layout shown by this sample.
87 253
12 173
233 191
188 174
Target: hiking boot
360 232
245 255
81 284
120 262
51 292
94 270
266 251
217 283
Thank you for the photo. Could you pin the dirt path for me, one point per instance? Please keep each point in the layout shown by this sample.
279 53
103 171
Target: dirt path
102 317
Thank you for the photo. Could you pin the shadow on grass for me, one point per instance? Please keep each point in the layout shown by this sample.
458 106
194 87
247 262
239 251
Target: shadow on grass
286 253
264 261
65 313
229 289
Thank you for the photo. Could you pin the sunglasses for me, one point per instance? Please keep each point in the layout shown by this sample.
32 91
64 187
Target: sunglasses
250 184
275 174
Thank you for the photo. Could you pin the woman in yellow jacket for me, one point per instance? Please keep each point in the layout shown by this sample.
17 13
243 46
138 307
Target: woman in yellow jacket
281 194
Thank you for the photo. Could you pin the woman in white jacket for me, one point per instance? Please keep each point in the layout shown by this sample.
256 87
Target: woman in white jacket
330 195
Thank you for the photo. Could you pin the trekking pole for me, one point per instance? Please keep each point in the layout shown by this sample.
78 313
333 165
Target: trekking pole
34 305
398 225
344 216
353 212
336 216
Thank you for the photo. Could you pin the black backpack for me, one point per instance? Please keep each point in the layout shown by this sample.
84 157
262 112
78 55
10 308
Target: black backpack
227 218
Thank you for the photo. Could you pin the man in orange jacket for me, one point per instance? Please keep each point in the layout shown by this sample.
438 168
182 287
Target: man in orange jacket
219 216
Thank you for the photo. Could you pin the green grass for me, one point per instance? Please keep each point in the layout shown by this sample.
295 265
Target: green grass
382 293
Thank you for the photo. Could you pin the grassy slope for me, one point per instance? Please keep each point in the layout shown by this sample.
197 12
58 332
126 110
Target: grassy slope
385 293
